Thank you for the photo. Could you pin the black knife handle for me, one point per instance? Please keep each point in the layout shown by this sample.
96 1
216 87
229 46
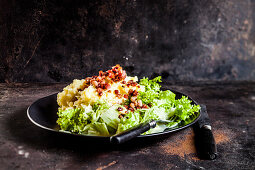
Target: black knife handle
207 144
132 133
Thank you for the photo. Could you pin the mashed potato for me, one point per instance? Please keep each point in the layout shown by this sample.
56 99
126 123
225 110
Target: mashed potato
76 96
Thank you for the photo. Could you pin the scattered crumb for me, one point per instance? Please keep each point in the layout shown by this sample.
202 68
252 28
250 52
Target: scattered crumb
106 166
185 146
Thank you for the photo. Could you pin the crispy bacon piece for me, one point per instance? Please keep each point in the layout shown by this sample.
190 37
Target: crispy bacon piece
94 83
132 105
99 90
119 108
107 86
101 73
133 99
135 93
131 109
125 96
145 106
130 92
116 91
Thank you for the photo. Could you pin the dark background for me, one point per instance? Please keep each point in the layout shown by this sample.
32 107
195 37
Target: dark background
182 40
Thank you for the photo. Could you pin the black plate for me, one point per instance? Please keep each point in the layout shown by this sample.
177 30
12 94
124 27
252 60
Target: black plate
43 113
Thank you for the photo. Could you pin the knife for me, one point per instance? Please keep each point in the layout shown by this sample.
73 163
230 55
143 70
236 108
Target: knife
204 139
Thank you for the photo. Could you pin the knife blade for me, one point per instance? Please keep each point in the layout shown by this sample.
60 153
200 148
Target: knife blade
204 139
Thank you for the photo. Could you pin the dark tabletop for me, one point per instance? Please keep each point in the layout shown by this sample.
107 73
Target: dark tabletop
230 105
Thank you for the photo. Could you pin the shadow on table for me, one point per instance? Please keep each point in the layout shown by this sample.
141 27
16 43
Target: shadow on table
26 133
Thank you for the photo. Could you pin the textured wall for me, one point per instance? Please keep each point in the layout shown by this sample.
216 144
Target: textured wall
52 41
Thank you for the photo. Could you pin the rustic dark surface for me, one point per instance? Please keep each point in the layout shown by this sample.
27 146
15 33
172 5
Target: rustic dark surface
230 106
57 41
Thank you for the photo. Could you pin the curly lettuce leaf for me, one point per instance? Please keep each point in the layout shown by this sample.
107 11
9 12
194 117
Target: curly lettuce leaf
152 89
130 120
73 120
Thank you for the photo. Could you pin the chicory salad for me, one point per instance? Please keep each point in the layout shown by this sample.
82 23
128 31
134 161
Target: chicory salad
113 102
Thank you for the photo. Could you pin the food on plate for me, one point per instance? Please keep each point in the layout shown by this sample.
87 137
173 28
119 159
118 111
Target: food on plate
113 102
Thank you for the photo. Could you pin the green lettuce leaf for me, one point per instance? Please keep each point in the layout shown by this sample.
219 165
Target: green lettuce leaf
96 129
110 116
73 120
130 120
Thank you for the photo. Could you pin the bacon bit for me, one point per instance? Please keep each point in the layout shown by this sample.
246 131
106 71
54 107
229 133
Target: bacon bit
126 106
139 103
132 105
145 106
123 82
130 91
133 98
118 95
116 91
107 79
120 109
135 93
99 78
120 116
131 109
102 82
99 90
101 73
107 86
138 86
109 91
94 83
126 96
88 79
134 84
100 94
111 75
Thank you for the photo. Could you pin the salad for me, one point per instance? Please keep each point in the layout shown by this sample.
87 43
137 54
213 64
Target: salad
113 102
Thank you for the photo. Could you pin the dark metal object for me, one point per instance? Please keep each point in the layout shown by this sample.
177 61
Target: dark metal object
132 133
205 142
135 131
43 114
